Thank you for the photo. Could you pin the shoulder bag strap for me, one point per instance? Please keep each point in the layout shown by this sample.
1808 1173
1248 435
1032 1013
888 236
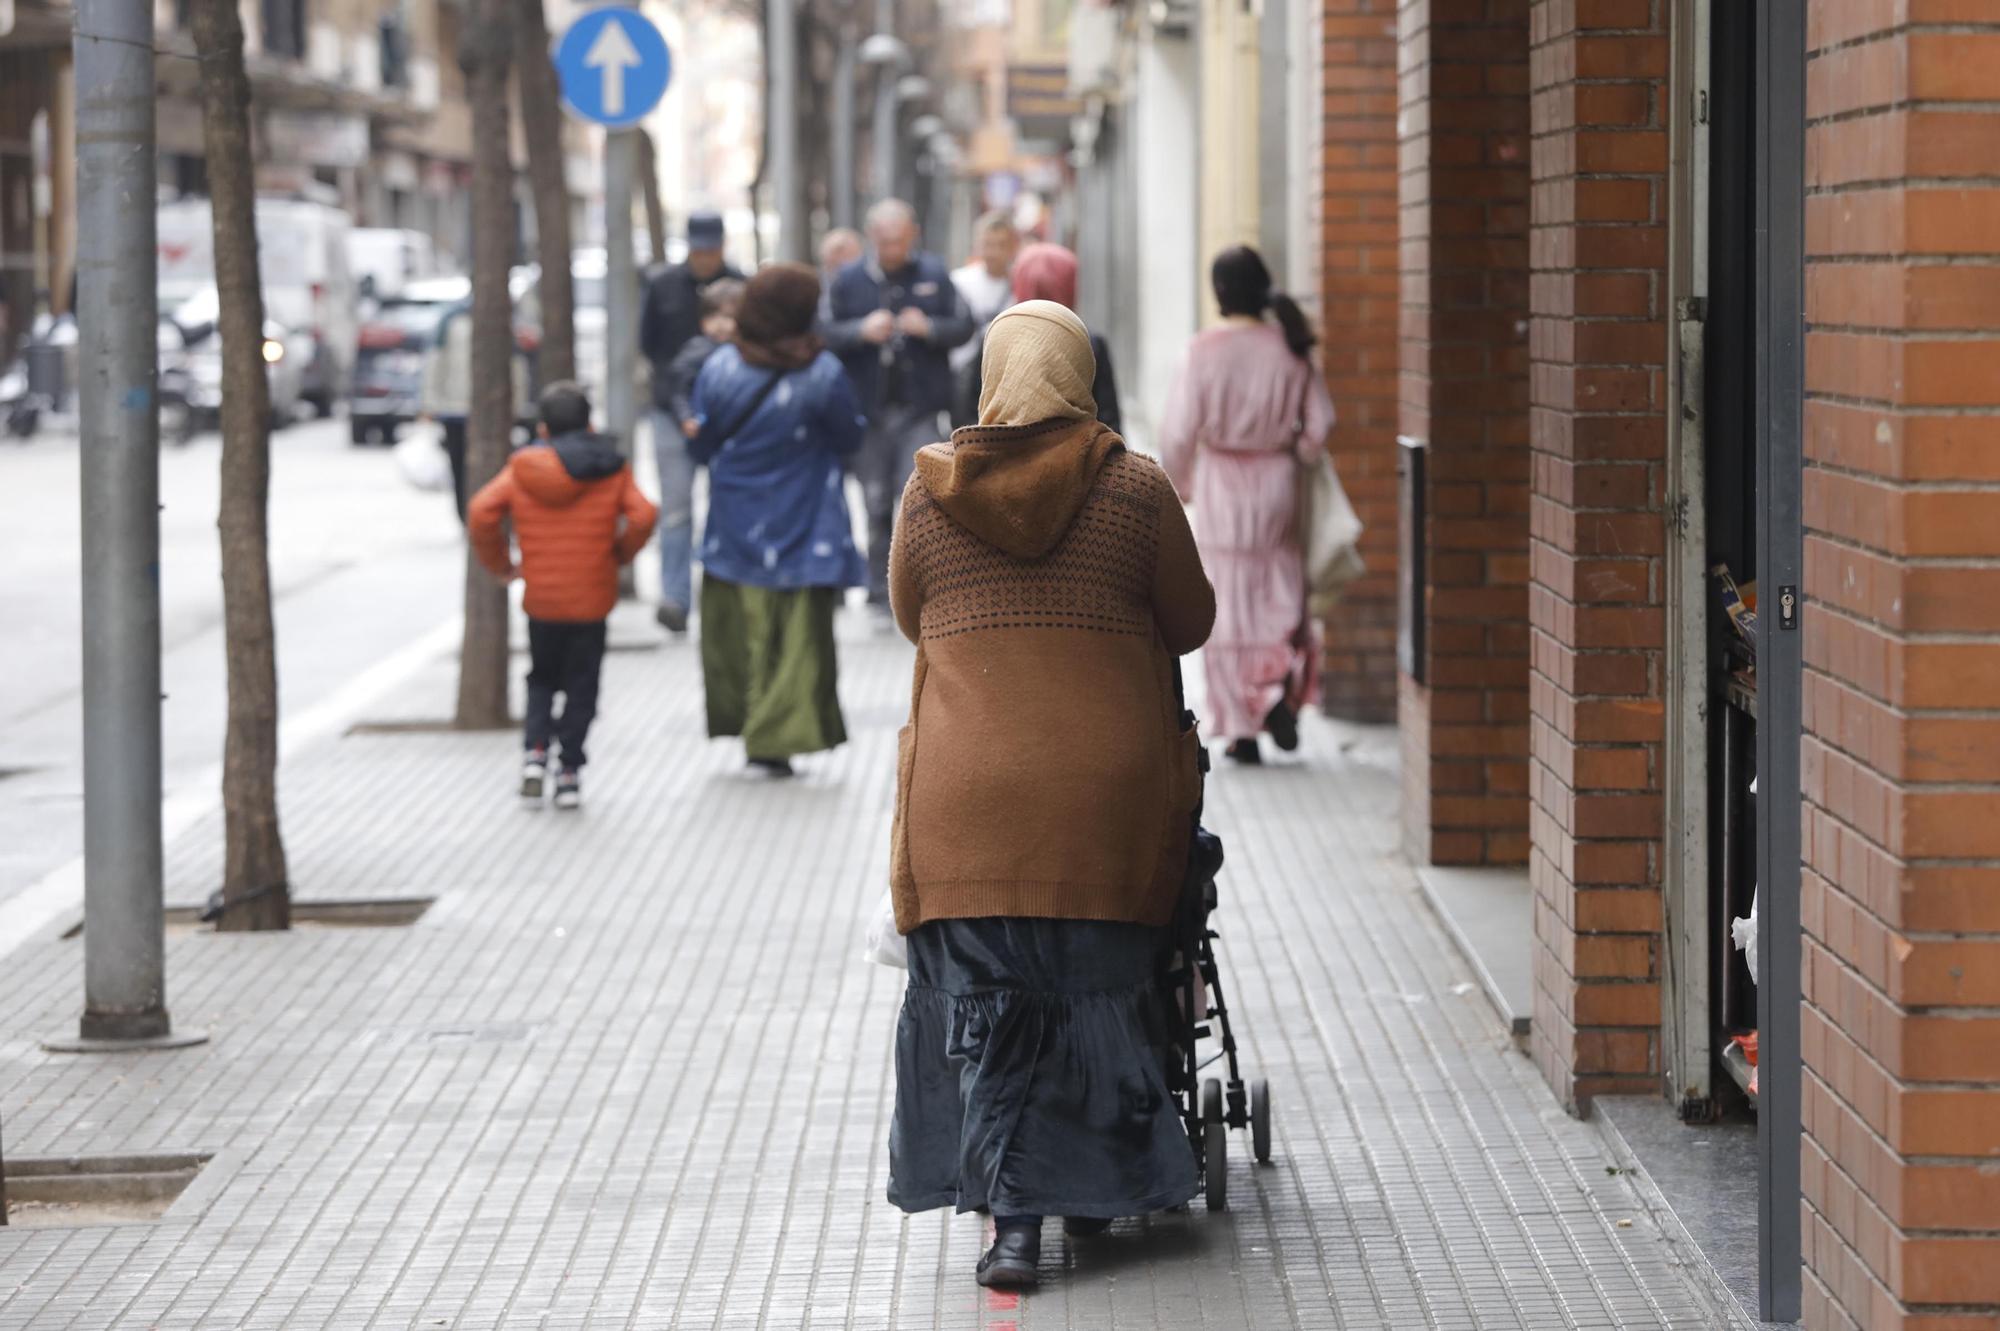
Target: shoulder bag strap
755 402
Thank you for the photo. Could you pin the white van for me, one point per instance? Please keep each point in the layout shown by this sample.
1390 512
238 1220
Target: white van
308 286
384 260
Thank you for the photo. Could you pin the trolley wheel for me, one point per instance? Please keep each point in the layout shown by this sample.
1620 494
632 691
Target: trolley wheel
1214 1145
1260 1120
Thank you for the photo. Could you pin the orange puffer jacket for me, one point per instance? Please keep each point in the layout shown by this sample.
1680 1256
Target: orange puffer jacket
577 515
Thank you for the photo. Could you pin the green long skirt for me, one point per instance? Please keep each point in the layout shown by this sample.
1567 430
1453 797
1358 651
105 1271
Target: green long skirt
767 660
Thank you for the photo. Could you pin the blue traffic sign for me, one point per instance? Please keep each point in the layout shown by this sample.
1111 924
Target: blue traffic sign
614 66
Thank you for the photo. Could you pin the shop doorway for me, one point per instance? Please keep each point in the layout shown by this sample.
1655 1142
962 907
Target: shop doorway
1731 872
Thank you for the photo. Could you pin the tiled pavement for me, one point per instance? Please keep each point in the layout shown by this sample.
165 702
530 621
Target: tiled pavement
631 1072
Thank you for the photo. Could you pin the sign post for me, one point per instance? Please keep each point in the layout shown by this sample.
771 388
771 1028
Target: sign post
614 68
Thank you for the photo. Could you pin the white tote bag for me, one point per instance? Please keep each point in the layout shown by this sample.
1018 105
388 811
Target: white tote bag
1329 535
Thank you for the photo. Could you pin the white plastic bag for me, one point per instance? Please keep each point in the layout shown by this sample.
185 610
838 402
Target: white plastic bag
1744 932
883 945
420 456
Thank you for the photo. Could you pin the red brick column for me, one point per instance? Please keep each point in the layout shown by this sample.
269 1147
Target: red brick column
1359 308
1463 112
1901 760
1599 346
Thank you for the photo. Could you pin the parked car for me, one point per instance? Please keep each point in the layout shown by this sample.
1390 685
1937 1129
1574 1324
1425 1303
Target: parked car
389 356
308 287
191 373
385 261
589 281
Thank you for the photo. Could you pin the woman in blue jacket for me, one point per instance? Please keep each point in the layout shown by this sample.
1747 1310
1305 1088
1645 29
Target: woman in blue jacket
776 415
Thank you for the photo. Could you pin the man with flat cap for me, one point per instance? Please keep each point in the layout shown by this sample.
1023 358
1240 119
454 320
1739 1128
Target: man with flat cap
672 317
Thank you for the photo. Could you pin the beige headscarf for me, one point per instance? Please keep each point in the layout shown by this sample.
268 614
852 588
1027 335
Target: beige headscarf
1037 366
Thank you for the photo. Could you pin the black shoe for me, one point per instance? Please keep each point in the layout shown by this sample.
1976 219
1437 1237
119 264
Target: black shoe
569 789
1283 725
672 618
774 768
1246 752
1084 1226
1010 1262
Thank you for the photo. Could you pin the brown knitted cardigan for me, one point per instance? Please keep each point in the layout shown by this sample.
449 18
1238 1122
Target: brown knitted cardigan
1048 578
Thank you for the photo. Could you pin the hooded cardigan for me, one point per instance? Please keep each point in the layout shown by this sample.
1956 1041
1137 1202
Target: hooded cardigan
1049 579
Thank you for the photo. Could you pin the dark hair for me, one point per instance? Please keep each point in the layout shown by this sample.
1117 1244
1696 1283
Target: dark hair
1243 286
722 296
565 408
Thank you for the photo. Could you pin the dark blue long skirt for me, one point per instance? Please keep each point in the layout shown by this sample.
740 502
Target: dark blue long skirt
1030 1072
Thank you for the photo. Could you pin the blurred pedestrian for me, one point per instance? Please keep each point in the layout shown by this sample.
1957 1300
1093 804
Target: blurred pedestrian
776 417
578 515
841 246
670 319
1246 409
986 285
445 396
719 306
1047 272
892 318
1049 580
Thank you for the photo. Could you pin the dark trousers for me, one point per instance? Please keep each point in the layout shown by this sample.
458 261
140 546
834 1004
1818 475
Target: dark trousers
888 455
563 658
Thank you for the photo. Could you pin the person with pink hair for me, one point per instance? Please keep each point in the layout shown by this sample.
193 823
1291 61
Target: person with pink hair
1048 272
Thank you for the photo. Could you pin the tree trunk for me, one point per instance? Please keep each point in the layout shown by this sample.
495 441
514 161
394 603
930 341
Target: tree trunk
485 51
649 191
542 119
255 891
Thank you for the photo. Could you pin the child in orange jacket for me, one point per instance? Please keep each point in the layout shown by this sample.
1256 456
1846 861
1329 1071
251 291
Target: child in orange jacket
578 515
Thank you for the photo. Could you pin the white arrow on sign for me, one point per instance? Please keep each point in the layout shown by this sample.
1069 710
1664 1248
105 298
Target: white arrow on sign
611 54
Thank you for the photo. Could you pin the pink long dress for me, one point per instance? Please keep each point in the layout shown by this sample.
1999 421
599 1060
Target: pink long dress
1243 413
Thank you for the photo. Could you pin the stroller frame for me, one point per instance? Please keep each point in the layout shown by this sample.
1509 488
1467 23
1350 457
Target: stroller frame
1195 1001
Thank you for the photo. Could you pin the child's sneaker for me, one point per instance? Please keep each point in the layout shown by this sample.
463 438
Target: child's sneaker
534 775
569 789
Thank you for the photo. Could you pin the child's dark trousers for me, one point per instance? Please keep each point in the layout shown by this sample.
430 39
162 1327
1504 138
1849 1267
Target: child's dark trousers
563 658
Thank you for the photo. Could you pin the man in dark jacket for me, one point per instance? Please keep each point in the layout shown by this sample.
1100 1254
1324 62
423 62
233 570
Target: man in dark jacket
892 318
671 318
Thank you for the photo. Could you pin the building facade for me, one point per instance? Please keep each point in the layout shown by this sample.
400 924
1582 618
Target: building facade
1641 314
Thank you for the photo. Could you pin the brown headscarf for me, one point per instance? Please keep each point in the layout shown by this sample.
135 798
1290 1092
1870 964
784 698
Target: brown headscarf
1038 366
774 326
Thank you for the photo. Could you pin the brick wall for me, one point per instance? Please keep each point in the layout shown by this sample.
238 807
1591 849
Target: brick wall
1901 762
1463 162
1358 313
1596 602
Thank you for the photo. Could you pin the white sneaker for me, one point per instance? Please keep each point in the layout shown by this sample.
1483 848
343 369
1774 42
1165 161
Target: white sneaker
534 778
569 790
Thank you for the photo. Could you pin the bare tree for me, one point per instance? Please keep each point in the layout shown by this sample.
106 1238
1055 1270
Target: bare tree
649 193
255 891
542 119
485 51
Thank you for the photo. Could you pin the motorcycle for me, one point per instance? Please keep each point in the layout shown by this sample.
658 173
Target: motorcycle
178 418
21 407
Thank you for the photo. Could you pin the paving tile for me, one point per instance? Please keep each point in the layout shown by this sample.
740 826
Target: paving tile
631 1072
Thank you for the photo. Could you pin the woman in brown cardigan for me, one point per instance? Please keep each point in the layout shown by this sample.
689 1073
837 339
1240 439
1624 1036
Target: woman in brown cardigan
1049 579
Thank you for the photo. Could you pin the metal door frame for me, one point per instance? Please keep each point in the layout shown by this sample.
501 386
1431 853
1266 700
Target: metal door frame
1779 381
1687 1044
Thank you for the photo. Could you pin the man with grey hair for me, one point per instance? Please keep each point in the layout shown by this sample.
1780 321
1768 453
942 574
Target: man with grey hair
893 317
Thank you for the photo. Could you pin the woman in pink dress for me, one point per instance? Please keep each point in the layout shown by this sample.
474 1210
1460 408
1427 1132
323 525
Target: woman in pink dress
1247 409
